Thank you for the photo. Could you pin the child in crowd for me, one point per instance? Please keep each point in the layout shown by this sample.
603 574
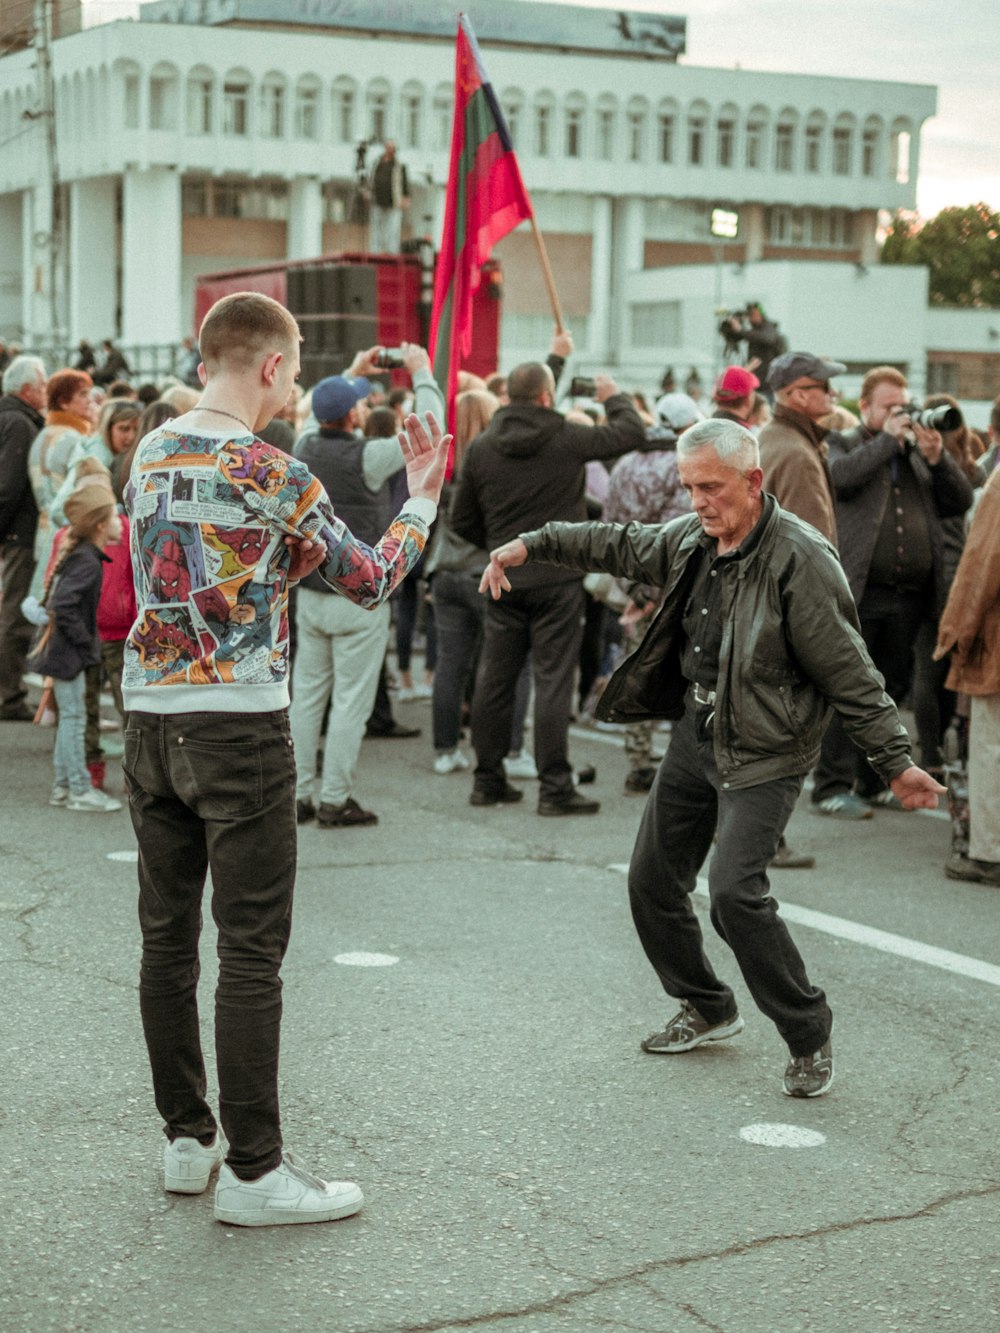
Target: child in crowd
70 644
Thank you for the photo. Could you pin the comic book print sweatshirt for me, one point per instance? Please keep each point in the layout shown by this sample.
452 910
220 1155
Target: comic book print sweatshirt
209 514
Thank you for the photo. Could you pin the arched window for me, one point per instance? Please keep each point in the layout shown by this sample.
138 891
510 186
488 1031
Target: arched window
199 100
784 140
271 106
812 146
871 146
236 90
164 85
544 115
726 123
574 111
697 133
345 101
442 117
411 114
512 104
308 92
843 144
758 119
605 127
377 104
666 131
636 119
129 74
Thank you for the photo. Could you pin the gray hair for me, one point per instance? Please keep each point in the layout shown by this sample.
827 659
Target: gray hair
21 371
735 446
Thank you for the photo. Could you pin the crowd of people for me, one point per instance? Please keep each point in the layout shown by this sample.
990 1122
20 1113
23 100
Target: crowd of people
758 578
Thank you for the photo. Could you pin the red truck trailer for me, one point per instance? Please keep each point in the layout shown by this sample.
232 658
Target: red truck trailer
350 301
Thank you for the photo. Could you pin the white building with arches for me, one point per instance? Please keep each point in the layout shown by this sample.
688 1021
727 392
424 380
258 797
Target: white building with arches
221 133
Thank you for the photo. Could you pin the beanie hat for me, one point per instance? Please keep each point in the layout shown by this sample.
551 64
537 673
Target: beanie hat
86 501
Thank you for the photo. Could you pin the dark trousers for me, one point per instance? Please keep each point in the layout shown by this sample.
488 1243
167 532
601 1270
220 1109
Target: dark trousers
548 623
459 610
889 624
933 705
686 805
16 633
214 791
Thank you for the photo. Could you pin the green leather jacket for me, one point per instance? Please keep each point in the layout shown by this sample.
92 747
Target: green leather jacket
791 645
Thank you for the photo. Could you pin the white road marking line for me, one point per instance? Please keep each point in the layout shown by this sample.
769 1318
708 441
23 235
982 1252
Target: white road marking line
130 856
782 1136
883 940
366 959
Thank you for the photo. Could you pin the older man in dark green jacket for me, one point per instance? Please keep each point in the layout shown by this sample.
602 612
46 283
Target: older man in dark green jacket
756 640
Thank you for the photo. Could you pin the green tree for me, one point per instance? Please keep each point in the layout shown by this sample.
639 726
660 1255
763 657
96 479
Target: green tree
960 246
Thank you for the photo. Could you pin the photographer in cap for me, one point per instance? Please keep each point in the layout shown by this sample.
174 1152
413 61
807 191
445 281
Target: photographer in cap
793 450
764 341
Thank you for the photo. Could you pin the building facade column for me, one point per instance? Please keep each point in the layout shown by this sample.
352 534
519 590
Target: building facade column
629 226
12 276
151 256
305 218
93 260
599 341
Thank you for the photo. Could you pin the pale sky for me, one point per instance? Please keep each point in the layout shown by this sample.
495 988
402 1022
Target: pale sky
954 45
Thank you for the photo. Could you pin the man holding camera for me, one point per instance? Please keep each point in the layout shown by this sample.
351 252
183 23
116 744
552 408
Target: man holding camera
340 647
526 469
893 482
761 335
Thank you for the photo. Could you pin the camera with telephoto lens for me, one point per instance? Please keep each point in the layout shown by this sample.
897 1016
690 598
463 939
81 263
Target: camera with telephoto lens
581 387
390 358
731 335
944 417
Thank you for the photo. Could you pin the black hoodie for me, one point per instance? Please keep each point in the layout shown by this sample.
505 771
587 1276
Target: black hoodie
527 469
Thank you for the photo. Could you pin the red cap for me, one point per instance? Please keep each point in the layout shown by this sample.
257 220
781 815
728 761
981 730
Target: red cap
735 382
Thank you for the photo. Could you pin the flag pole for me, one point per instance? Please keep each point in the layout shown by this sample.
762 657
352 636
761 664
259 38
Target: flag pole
550 285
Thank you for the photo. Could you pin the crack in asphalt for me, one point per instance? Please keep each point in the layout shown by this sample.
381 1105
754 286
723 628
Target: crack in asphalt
700 1319
559 1304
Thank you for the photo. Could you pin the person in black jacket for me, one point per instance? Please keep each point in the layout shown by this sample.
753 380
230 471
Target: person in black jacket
70 643
21 419
526 468
756 639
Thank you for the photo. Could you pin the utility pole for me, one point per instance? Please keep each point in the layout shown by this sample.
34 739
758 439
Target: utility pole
47 113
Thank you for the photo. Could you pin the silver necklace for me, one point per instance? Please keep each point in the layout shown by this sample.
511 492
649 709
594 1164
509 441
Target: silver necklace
220 413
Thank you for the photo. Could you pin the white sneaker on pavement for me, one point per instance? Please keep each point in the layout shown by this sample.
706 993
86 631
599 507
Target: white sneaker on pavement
188 1165
453 762
520 766
286 1195
60 795
93 801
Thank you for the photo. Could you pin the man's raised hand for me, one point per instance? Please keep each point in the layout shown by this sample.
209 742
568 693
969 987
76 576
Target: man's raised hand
425 450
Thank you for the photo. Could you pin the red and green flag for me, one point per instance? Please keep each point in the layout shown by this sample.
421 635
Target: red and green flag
485 200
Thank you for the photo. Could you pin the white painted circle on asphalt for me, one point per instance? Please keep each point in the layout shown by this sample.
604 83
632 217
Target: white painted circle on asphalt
366 959
132 856
782 1136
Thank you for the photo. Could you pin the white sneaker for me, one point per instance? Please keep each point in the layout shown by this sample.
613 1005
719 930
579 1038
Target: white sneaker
60 795
521 766
188 1165
93 802
455 762
285 1195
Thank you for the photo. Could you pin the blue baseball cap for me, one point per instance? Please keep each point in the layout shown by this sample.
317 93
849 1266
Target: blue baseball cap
334 397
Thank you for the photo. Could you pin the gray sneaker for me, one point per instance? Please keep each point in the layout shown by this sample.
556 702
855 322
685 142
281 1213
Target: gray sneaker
688 1029
286 1195
810 1075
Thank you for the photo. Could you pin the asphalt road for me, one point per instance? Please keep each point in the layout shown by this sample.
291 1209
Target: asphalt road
526 1168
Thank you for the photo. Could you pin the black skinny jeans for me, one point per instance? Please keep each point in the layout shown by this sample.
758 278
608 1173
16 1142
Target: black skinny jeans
686 805
214 791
